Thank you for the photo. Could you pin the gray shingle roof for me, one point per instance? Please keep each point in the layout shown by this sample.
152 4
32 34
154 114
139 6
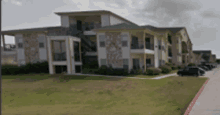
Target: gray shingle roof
30 29
172 29
201 51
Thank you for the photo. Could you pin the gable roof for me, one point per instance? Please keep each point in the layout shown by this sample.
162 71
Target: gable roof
92 12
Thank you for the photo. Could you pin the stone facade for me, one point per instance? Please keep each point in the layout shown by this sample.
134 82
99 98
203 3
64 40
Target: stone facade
31 47
114 49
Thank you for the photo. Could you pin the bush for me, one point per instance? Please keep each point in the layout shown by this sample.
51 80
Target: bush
169 64
91 65
174 67
89 71
136 71
153 71
191 64
181 66
103 70
119 72
132 71
39 67
165 69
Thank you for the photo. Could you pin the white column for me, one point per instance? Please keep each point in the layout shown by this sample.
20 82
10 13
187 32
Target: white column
51 69
156 64
72 56
68 56
3 40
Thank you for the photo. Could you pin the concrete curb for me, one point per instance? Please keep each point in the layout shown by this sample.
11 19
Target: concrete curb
189 108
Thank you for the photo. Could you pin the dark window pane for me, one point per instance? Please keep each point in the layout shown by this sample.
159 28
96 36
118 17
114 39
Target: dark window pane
102 44
41 45
124 44
20 45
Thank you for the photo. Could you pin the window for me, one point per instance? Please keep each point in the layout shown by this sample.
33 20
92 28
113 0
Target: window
103 62
41 45
159 44
20 45
102 44
124 40
124 43
102 40
125 63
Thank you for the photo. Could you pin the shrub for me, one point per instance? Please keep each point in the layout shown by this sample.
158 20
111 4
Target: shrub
153 71
191 64
136 71
91 65
165 69
139 71
119 72
132 71
39 67
169 64
103 70
174 67
181 66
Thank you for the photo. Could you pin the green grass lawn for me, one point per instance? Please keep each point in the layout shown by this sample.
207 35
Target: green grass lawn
83 95
152 76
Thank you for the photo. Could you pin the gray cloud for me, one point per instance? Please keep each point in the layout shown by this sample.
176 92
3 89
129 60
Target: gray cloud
210 14
168 11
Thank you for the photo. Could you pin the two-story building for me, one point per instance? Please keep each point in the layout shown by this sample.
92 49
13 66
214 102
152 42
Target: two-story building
103 36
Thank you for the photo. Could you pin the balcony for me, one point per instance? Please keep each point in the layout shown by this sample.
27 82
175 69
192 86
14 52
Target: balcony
60 56
139 48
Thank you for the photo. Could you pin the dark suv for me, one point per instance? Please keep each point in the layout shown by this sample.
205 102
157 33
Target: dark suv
193 70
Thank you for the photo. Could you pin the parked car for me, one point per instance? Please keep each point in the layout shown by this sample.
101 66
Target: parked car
193 70
208 66
204 67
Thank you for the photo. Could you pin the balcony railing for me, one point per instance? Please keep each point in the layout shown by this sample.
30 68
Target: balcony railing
149 46
87 27
137 46
140 45
60 56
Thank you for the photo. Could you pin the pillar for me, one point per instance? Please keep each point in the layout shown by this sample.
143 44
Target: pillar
3 40
49 47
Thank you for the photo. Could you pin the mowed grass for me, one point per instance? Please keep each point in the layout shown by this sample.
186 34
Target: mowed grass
83 95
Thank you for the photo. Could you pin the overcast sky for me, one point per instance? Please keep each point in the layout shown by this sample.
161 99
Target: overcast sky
200 17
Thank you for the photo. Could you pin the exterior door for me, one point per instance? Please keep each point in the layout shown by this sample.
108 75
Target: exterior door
148 62
136 64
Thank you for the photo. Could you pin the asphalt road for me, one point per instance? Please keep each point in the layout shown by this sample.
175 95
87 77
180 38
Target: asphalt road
208 103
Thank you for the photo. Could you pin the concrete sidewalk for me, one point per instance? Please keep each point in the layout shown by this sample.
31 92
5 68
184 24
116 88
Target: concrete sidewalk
159 77
208 103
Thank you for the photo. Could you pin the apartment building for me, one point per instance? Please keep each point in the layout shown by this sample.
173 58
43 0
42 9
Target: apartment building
102 36
206 55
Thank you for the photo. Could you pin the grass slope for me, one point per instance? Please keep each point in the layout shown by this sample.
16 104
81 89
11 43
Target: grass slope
84 95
